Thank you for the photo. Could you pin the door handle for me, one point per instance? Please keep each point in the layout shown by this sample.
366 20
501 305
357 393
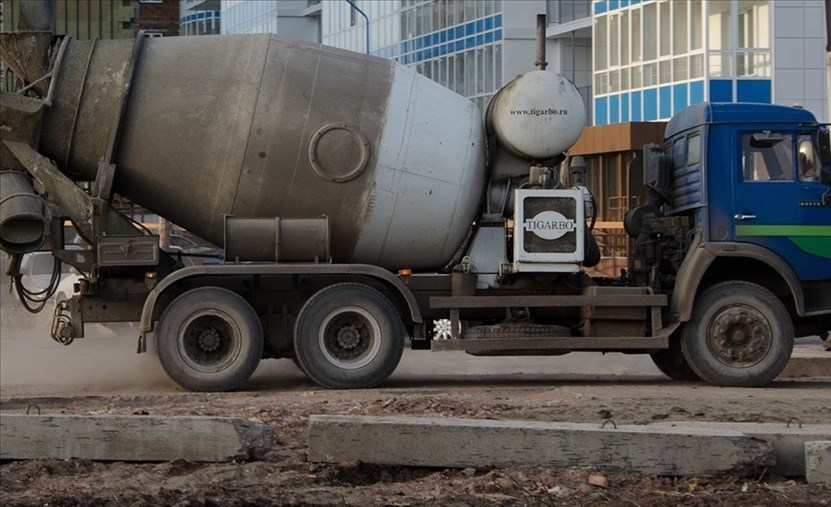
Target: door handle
743 217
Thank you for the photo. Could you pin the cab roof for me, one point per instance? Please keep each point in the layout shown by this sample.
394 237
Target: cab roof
736 112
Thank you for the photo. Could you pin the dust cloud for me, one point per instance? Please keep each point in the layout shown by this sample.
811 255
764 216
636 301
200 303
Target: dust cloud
104 361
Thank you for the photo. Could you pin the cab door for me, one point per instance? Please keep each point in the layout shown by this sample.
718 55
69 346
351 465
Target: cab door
778 200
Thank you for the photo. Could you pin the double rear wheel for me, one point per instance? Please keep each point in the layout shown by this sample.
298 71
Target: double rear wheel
348 336
209 339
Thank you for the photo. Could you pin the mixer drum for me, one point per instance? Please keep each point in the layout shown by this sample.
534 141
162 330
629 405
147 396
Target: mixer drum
263 126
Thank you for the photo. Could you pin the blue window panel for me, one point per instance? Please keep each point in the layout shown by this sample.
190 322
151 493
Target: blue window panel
753 90
636 107
721 90
488 37
614 108
489 23
460 32
497 35
470 42
633 2
435 39
470 28
600 7
480 39
600 111
624 3
497 21
696 92
201 15
624 107
443 36
665 94
460 45
679 97
480 26
650 104
614 4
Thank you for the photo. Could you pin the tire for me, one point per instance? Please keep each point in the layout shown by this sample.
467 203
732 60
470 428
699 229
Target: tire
348 336
209 339
739 334
672 363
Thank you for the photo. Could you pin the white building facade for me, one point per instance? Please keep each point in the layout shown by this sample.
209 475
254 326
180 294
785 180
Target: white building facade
199 17
632 60
653 58
298 19
460 44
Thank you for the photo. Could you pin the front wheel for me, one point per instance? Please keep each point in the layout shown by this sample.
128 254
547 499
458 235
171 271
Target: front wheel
739 334
209 339
348 336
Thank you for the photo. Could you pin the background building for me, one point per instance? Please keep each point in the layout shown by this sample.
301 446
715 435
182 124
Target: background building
652 58
199 17
99 19
473 47
298 19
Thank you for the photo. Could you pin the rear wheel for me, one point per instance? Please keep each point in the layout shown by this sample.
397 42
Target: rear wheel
739 334
348 336
209 339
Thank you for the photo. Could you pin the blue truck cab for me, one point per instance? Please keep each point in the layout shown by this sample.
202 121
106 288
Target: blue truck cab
737 229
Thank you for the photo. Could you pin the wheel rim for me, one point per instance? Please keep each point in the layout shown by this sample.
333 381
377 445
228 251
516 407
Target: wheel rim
350 337
209 341
739 336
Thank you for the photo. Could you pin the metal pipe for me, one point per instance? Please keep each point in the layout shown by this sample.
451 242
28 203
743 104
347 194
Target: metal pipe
53 73
366 18
541 64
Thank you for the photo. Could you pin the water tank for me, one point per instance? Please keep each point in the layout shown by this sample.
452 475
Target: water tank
538 115
263 126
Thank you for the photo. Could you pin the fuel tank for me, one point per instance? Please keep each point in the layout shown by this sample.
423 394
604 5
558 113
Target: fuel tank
538 115
263 126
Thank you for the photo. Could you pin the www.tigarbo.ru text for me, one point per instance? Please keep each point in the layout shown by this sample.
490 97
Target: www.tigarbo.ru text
538 112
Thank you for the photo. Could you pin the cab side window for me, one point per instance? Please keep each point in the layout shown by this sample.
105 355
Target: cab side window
767 157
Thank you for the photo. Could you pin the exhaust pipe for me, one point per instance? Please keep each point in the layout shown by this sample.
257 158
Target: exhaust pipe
23 223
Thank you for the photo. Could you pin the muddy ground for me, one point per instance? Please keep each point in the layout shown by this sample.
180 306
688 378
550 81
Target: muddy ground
102 375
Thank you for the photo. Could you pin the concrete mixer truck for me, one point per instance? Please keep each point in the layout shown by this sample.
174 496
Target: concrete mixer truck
358 202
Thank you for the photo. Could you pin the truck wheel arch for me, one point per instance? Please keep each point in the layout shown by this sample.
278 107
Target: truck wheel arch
705 258
395 284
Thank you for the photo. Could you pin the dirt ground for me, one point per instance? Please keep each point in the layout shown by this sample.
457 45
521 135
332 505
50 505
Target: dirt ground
102 375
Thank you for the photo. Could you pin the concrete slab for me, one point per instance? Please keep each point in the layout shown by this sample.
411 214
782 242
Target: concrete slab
132 438
808 361
788 440
818 462
435 442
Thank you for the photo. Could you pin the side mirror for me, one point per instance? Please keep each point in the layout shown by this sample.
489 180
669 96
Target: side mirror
825 156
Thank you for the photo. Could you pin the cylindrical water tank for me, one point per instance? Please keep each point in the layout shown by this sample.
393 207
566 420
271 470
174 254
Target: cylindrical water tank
263 126
538 115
